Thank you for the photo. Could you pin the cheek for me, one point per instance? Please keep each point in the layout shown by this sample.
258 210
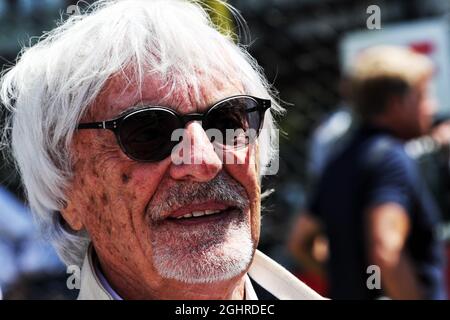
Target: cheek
112 195
122 230
246 174
103 193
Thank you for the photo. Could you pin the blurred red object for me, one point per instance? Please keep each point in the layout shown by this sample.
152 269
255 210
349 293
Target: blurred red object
423 47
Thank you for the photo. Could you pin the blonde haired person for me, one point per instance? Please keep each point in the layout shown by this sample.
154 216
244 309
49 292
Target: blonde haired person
371 203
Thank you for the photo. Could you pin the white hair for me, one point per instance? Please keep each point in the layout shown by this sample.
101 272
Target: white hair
55 81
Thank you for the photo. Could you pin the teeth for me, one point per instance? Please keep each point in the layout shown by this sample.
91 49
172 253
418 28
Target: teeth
185 216
198 213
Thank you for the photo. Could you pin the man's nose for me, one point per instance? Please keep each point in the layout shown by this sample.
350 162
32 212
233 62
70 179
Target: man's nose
195 158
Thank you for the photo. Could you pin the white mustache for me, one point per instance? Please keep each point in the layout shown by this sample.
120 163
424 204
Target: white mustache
222 188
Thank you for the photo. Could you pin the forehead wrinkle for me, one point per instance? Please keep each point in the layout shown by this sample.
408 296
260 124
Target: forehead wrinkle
120 97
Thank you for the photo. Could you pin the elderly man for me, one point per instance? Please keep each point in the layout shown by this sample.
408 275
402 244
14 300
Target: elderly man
95 106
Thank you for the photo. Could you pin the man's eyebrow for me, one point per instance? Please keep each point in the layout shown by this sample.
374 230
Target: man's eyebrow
138 105
142 104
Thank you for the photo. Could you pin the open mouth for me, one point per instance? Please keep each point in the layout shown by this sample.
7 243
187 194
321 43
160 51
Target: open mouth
203 216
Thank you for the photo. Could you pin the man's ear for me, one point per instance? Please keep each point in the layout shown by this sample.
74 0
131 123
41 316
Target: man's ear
72 216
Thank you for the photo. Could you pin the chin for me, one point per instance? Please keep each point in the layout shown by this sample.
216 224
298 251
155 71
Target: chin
209 252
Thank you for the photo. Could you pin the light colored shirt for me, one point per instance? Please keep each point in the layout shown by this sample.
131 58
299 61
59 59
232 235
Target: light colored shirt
266 272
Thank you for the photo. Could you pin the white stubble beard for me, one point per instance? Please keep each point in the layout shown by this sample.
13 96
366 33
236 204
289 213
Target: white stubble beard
199 254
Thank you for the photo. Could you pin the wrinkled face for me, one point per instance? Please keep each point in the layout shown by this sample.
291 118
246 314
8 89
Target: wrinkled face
137 214
418 108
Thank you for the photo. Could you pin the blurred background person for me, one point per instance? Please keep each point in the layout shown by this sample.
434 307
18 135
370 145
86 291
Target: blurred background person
371 201
430 151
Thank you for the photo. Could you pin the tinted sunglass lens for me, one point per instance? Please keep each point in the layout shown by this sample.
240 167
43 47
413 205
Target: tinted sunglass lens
146 135
238 121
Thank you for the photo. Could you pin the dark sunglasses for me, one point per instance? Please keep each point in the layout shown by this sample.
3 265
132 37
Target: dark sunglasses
145 134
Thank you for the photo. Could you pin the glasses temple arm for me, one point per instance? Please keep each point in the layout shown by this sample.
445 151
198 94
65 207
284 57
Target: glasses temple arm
98 125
